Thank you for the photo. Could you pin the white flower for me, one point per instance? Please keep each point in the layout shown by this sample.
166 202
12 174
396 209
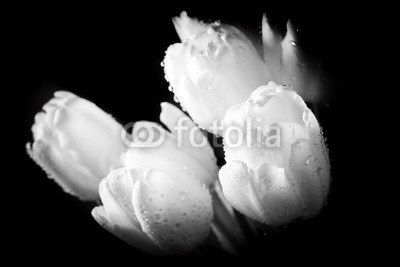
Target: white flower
160 202
76 143
283 172
215 67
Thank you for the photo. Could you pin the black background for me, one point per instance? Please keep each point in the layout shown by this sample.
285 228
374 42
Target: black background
111 56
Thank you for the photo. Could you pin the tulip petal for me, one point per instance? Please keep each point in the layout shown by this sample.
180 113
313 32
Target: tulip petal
277 195
183 87
175 211
117 214
72 178
310 165
238 188
132 238
187 27
83 127
265 195
182 127
267 105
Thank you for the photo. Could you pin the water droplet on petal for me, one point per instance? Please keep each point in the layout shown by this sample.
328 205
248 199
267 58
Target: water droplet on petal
146 173
184 196
210 30
306 116
202 54
157 217
212 47
308 160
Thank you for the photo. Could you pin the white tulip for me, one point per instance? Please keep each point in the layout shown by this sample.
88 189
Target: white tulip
160 202
76 143
281 170
215 67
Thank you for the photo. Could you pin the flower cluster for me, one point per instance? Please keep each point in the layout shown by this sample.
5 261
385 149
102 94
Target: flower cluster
166 198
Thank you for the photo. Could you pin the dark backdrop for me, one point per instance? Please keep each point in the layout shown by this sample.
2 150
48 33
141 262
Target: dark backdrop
111 56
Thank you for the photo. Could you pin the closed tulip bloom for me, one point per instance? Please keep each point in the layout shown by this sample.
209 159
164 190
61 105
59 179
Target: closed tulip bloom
281 170
76 143
215 67
160 201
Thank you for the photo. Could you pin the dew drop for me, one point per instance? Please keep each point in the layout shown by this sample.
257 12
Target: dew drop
146 173
293 43
184 196
212 47
210 30
176 99
223 37
170 88
157 217
305 116
202 54
308 160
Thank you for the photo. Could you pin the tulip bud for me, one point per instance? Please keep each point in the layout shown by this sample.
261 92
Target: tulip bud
160 202
280 171
76 143
215 67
